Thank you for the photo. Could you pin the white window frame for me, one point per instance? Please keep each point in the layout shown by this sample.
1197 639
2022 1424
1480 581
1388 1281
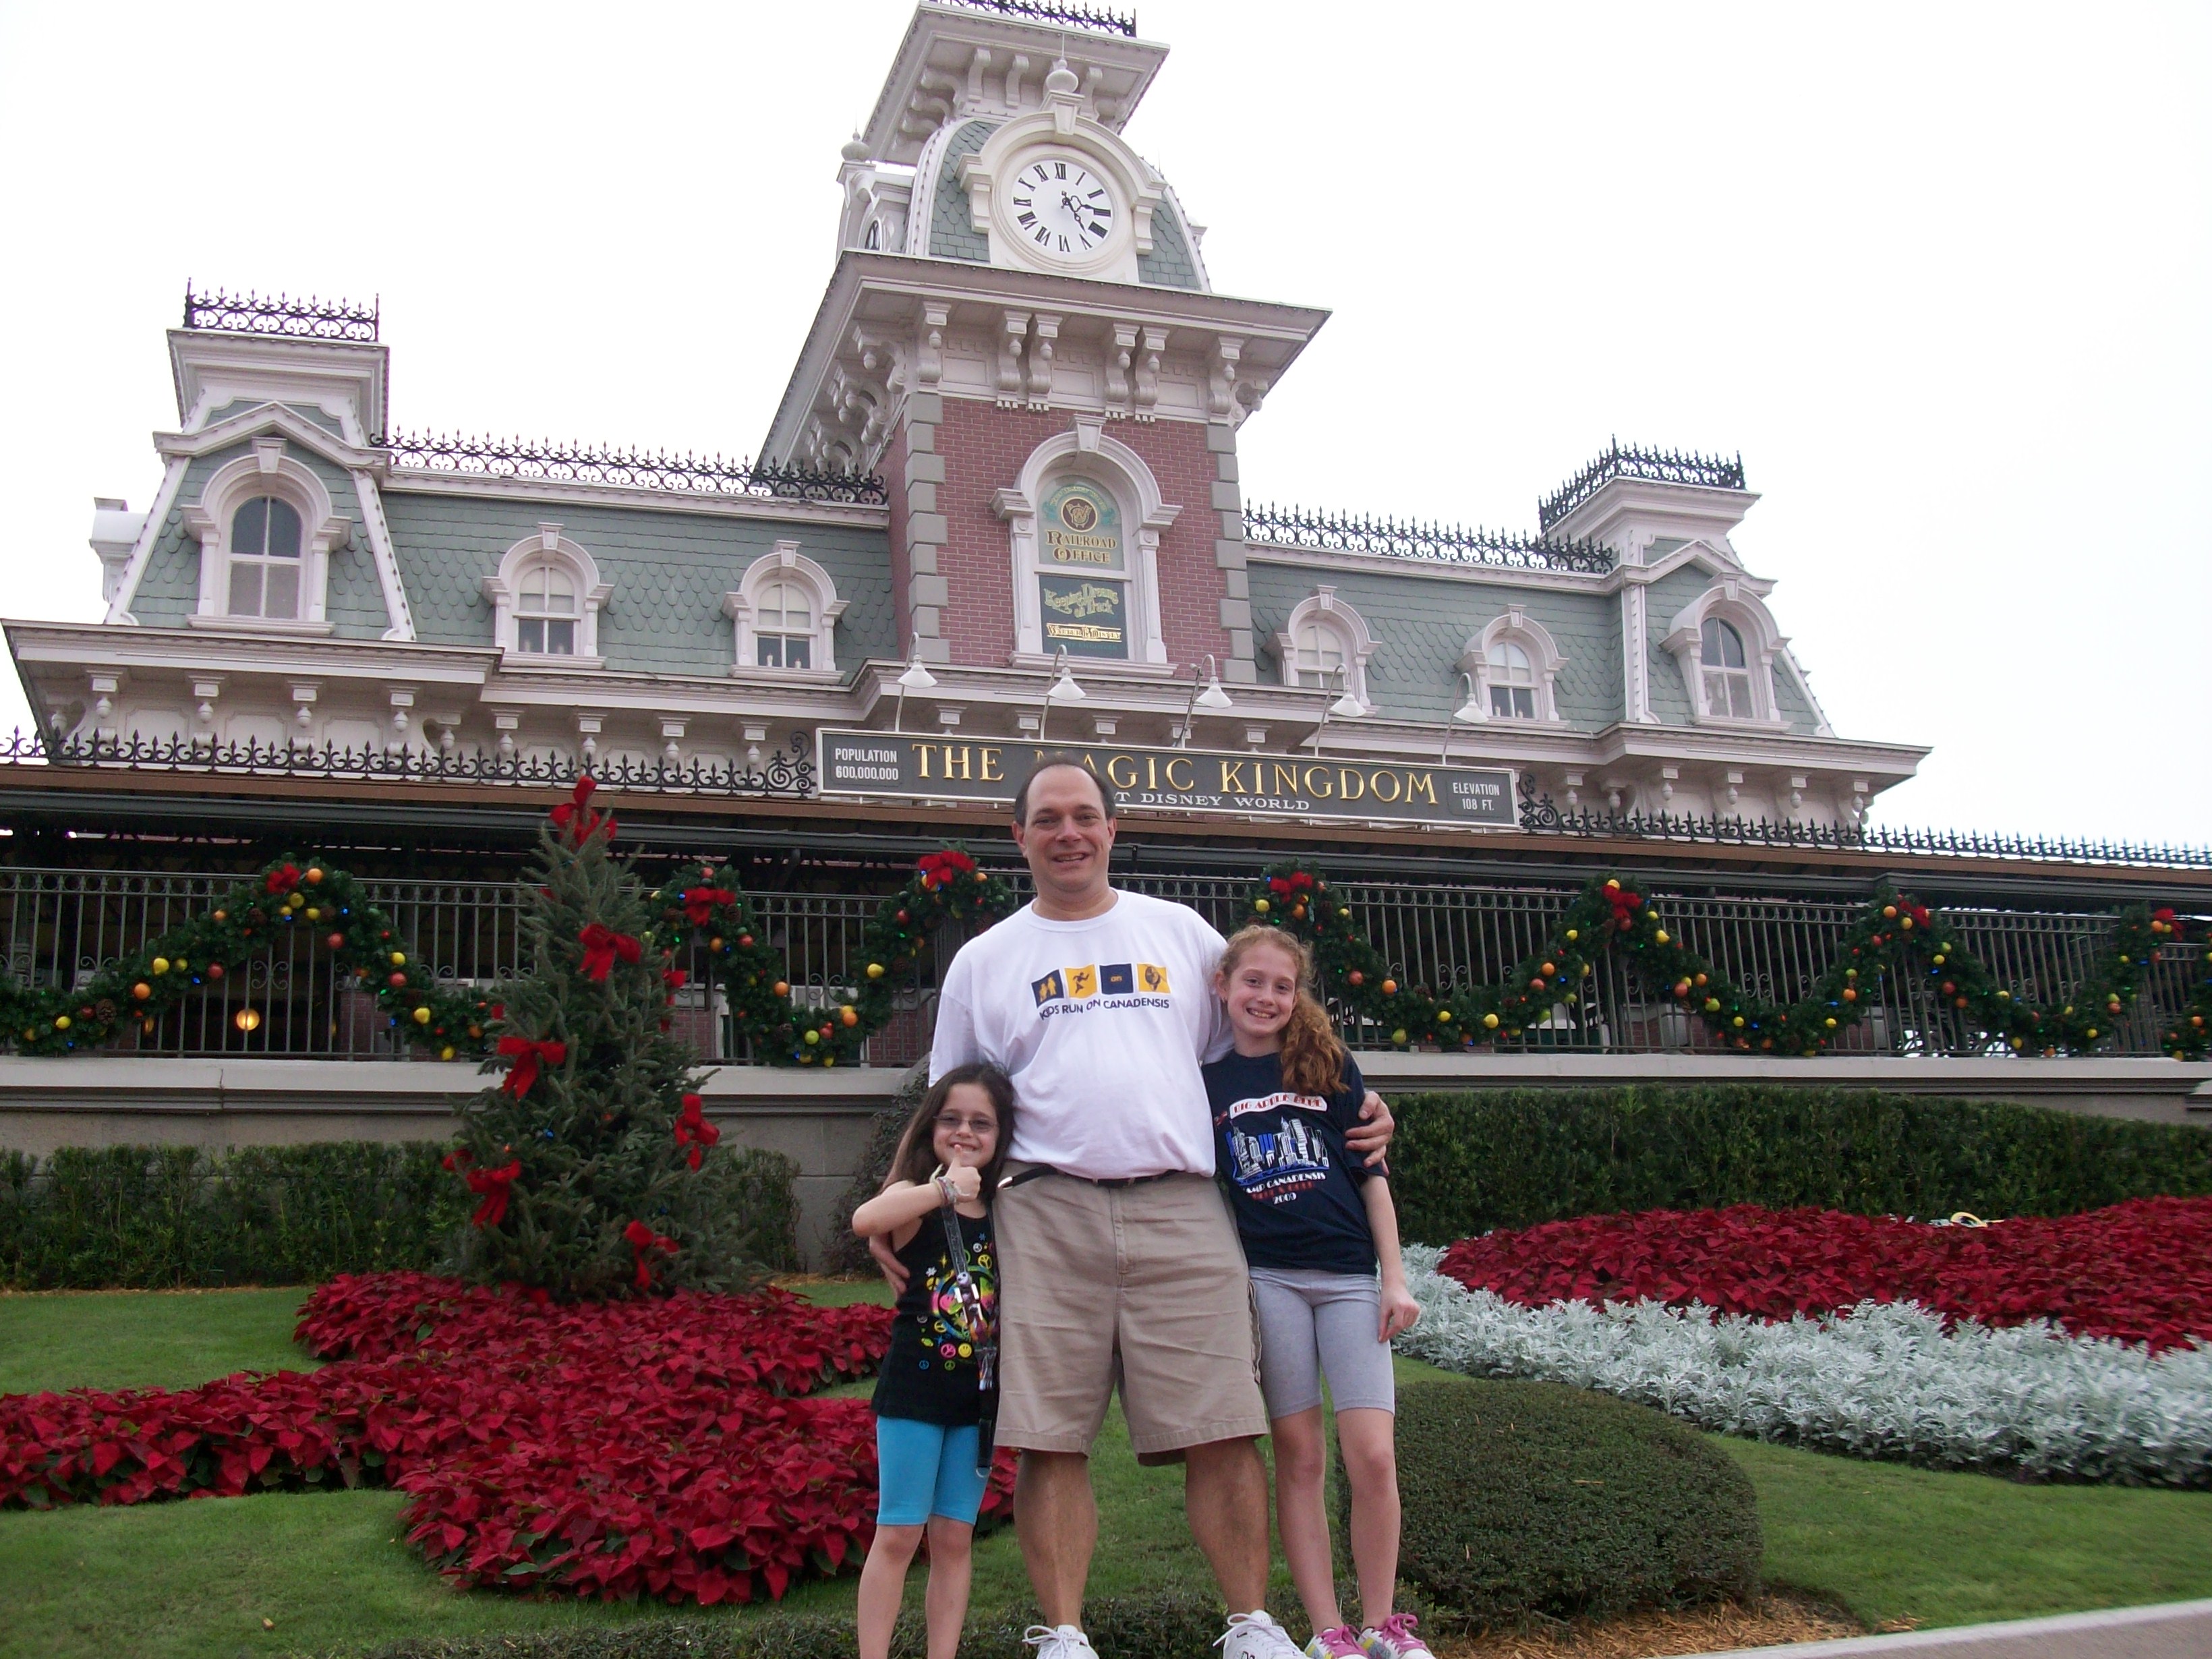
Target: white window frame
1733 603
1087 452
1519 628
1323 610
548 546
784 563
267 470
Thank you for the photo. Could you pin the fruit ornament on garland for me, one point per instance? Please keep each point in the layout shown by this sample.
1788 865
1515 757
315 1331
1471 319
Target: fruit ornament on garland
1896 939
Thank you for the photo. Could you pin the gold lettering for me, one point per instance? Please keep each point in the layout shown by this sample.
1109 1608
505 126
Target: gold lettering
1423 784
991 773
1114 765
1152 773
964 774
1353 785
923 750
1320 789
1286 778
1232 778
1379 778
1185 785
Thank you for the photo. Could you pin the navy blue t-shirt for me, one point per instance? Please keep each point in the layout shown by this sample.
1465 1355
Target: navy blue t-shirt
1292 1182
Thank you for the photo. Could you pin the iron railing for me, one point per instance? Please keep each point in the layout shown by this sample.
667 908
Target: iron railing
1346 532
630 469
1659 465
1061 13
255 313
61 926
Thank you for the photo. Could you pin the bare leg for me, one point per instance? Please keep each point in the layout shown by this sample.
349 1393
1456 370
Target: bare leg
1056 1518
1225 1495
883 1586
1367 1436
1302 1516
951 1562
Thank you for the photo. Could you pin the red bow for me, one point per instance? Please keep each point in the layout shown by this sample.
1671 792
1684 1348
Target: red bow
602 945
574 818
527 1054
1920 915
937 869
493 1185
700 902
643 1239
2163 913
693 1130
284 880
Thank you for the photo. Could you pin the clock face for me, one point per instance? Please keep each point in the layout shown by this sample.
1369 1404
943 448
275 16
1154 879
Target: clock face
1060 206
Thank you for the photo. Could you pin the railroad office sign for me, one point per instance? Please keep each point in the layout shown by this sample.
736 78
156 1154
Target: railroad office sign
887 765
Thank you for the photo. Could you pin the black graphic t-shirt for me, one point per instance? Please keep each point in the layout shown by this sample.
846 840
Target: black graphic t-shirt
1292 1182
931 1373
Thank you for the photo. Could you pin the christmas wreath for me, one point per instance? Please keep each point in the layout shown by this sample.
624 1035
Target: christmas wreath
702 902
314 899
1896 939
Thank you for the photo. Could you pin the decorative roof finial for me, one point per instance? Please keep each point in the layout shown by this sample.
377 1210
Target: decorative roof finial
1062 81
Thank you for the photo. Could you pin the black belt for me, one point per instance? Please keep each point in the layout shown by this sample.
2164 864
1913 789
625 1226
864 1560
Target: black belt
1036 1170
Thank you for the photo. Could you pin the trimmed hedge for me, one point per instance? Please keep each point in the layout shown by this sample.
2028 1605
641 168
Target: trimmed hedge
1120 1627
162 1217
1523 1497
1465 1162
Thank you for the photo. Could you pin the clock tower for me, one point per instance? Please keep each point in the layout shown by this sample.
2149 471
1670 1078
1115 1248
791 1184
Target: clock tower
1020 336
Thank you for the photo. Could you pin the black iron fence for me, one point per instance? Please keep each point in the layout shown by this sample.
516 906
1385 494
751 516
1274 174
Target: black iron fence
60 926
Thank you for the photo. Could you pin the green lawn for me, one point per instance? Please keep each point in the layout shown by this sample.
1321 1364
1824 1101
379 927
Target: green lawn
195 1580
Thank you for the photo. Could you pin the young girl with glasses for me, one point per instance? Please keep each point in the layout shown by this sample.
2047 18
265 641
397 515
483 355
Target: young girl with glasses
1320 1238
936 1394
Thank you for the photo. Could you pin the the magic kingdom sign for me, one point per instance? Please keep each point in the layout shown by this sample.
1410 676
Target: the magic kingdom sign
886 765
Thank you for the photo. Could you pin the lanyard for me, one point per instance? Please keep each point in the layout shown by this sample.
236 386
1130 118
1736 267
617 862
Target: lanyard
980 1326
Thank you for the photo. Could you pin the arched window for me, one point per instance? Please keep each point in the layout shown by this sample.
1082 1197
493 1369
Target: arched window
1512 682
783 626
1318 653
265 559
545 612
1726 670
1324 646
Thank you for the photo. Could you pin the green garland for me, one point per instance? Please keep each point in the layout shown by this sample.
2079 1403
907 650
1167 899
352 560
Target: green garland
1895 937
313 898
701 901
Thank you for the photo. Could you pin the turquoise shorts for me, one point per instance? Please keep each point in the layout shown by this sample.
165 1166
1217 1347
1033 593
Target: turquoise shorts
924 1469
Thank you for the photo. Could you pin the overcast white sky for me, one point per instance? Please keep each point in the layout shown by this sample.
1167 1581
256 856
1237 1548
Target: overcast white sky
1940 271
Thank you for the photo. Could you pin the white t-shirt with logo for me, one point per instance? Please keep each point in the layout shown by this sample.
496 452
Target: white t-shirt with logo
1103 1024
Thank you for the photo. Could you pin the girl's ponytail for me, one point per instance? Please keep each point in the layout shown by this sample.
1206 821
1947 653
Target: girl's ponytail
1313 1056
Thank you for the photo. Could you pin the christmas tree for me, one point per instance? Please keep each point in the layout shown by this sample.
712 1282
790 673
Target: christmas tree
591 1160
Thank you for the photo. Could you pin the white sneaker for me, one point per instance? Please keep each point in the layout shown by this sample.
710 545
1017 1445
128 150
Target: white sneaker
1059 1642
1256 1635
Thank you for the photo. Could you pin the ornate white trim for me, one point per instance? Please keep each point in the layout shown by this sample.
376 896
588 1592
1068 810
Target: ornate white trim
1735 603
1323 607
267 470
1088 453
1062 125
785 563
1534 638
548 546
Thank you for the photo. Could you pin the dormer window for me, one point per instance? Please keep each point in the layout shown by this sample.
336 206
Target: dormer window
1512 682
1726 671
545 612
1324 646
265 559
1318 652
783 626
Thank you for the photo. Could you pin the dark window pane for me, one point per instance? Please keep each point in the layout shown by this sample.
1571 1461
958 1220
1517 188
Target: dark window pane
561 639
530 634
767 650
283 530
1501 702
1524 703
794 652
249 529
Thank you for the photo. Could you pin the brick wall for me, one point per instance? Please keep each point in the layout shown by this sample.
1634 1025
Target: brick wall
984 447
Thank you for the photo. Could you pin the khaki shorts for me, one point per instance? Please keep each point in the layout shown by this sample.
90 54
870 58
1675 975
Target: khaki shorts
1142 1286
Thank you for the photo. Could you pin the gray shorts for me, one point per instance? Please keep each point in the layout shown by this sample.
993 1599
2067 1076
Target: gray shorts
1311 1323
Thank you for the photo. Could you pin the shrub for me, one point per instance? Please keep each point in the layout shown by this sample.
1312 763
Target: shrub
1465 1162
165 1216
1524 1498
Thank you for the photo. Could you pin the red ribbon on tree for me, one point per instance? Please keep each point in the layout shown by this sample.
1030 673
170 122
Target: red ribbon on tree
693 1130
1296 882
700 902
493 1186
937 869
602 945
642 1241
527 1055
284 880
574 817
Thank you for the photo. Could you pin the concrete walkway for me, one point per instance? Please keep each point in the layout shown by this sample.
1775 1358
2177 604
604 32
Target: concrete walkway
2172 1630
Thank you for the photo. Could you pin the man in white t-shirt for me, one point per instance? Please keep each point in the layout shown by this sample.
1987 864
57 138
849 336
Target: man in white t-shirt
1118 1262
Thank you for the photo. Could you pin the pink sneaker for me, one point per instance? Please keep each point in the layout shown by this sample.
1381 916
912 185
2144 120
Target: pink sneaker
1341 1642
1394 1638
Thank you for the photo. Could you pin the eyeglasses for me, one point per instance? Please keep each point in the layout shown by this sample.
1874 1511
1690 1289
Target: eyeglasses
953 1123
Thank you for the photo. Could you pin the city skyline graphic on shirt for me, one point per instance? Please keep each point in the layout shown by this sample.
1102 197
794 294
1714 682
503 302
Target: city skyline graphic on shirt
1275 1165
